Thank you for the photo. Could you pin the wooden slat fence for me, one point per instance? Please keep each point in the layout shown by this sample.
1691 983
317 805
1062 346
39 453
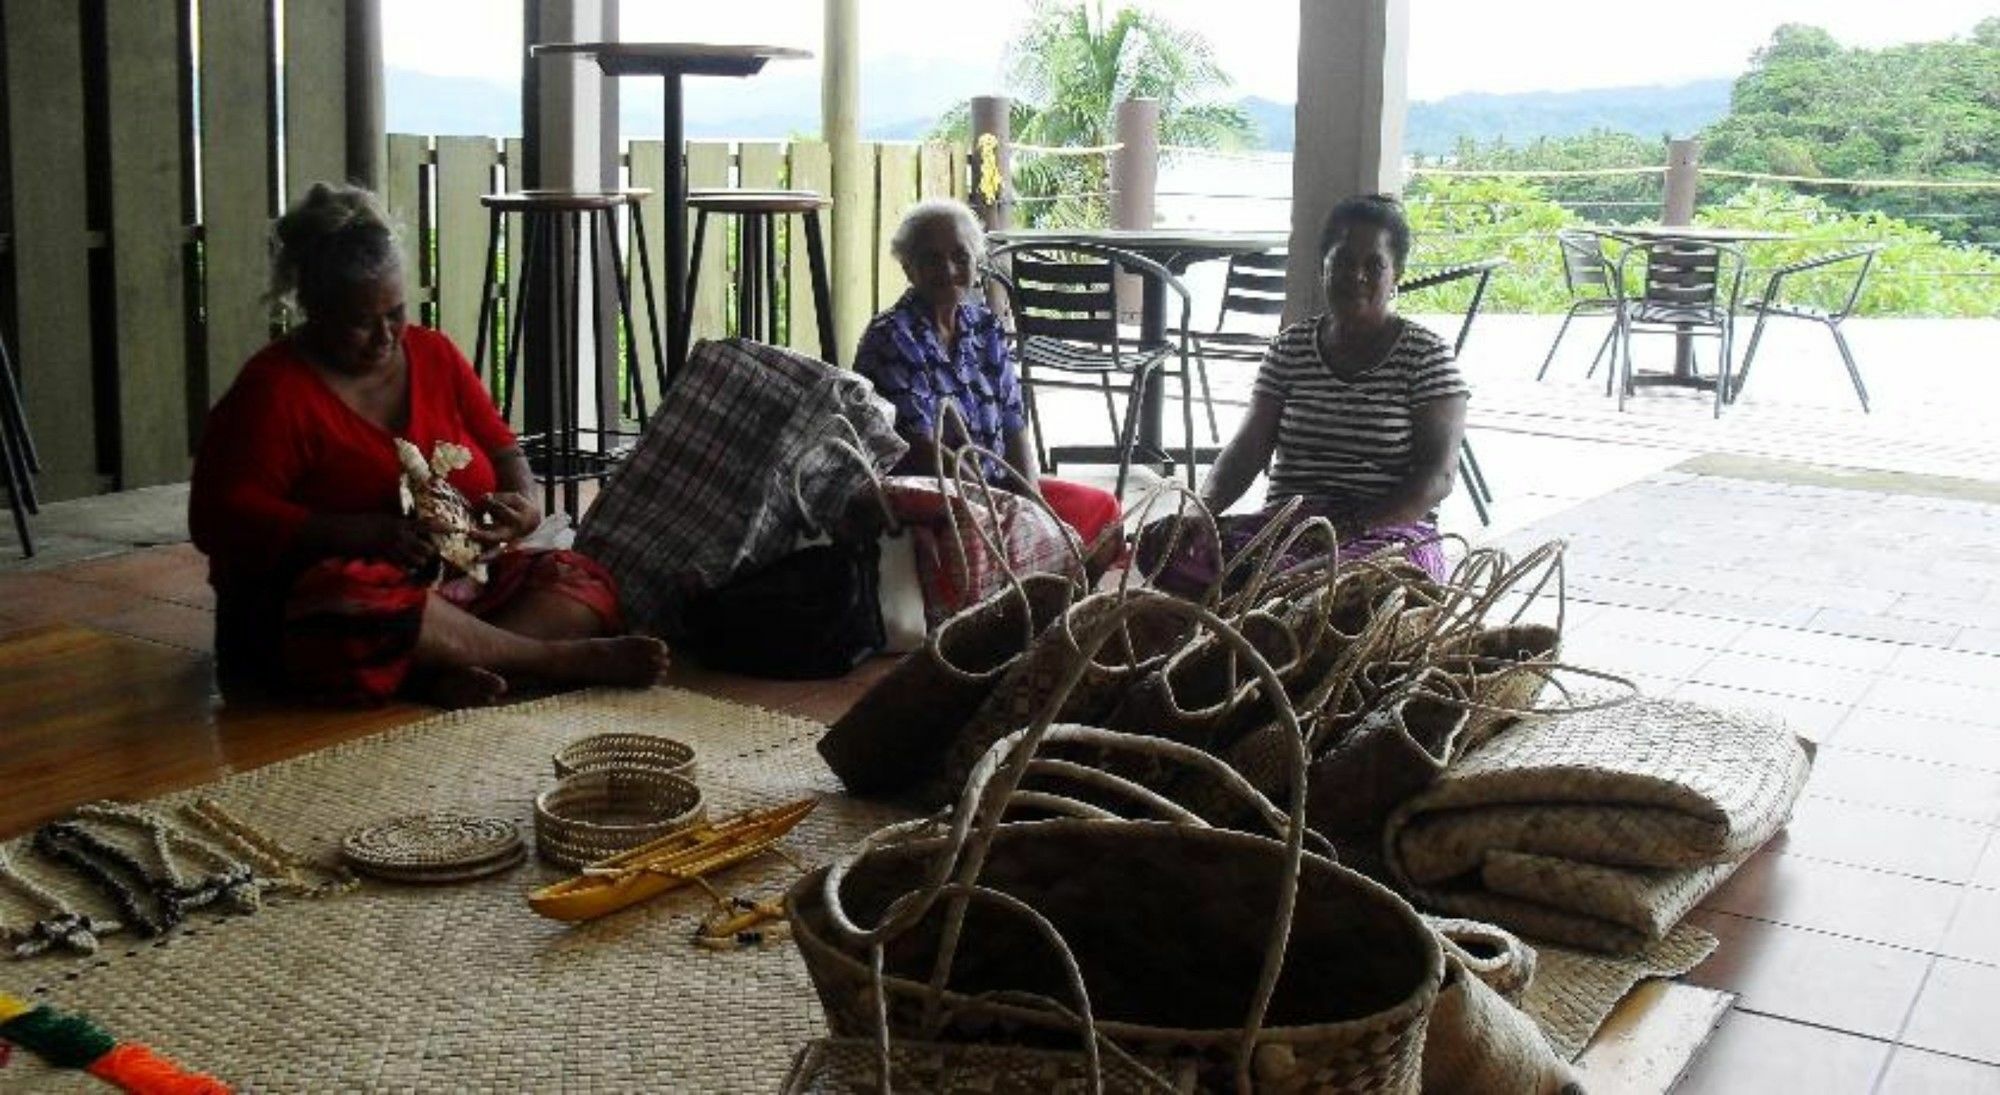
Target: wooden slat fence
133 236
145 152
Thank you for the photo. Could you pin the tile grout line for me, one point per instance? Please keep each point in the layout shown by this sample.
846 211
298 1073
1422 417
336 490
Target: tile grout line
1830 934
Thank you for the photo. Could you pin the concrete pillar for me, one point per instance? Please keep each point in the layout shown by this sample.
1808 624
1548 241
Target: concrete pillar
1352 100
569 118
853 216
367 142
1135 173
1683 178
991 117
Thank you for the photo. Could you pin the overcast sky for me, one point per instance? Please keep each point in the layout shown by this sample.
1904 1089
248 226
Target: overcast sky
1455 45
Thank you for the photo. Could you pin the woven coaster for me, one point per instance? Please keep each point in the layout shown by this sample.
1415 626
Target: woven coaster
506 861
434 847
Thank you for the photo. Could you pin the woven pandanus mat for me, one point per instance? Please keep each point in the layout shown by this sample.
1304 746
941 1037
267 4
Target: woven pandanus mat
1574 991
462 988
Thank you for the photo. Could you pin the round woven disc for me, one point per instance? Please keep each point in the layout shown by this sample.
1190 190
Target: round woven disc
427 843
506 861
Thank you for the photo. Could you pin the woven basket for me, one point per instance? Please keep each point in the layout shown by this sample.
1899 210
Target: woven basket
1477 1041
625 751
597 814
1501 671
1304 975
1361 969
852 1066
1493 954
1147 640
1391 754
896 734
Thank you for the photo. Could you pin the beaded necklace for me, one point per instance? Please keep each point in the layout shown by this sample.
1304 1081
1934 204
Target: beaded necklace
227 878
63 926
283 869
112 870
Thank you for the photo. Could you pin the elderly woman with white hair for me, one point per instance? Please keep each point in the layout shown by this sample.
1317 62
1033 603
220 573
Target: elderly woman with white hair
940 342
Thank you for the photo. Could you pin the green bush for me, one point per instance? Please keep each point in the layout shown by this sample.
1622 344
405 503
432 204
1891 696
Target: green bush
1918 273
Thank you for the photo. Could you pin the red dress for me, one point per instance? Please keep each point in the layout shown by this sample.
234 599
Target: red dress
281 447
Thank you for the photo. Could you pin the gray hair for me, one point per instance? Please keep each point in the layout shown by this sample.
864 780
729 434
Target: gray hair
931 210
335 238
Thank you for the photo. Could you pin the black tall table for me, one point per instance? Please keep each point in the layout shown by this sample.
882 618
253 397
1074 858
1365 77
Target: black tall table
1175 249
671 61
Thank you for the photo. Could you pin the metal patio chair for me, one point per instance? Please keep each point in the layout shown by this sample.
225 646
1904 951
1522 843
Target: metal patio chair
1254 287
1468 461
1587 273
1688 290
1772 303
1063 301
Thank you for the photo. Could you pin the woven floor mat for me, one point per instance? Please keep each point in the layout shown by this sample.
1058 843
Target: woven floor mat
1574 991
462 987
457 988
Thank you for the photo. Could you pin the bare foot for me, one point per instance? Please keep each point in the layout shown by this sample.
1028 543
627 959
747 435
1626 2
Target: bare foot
637 661
464 686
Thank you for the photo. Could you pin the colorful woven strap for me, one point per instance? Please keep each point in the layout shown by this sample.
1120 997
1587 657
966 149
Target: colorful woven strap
72 1041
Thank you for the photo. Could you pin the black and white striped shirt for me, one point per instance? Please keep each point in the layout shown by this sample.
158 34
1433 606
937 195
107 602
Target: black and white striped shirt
1350 438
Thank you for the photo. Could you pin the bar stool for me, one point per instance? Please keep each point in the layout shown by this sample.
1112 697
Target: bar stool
554 225
757 257
17 452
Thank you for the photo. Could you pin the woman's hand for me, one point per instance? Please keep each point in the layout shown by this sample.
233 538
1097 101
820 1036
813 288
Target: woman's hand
404 541
510 516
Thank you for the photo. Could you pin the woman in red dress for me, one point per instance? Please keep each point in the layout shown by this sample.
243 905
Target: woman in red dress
323 587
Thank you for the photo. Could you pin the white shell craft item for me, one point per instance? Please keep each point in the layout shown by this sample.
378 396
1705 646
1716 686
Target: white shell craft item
428 495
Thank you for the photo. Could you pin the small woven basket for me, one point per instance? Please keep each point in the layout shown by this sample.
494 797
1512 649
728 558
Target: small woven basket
625 751
597 814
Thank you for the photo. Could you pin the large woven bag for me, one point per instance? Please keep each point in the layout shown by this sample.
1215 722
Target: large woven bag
1478 1042
1271 968
1144 640
1307 628
1395 751
896 734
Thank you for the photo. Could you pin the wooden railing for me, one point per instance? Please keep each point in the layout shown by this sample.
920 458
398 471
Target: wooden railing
433 188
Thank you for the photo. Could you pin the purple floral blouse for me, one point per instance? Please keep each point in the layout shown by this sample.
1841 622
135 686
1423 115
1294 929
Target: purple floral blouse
902 355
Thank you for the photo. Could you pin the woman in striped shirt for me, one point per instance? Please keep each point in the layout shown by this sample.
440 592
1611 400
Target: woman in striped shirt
1356 411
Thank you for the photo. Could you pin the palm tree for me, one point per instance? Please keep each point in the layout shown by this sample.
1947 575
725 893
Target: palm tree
1070 68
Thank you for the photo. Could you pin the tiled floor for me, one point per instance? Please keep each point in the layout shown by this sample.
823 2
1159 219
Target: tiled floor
1865 941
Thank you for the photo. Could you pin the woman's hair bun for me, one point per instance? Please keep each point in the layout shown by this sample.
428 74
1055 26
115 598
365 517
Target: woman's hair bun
334 237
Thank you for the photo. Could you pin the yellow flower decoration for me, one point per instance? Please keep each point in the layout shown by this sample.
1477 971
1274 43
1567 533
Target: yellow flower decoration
989 168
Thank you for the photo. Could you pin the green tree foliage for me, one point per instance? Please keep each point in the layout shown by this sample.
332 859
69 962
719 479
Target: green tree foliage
1599 198
1931 110
1918 273
1070 68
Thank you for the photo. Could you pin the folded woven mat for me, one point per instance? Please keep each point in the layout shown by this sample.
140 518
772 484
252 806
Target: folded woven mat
1599 829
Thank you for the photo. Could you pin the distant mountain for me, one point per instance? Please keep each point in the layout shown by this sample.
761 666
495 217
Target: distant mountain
902 97
1681 110
901 100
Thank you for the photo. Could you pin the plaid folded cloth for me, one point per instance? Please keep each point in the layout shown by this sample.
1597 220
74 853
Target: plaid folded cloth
707 494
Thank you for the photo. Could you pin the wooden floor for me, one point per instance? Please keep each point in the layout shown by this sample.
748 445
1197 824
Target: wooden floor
107 690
